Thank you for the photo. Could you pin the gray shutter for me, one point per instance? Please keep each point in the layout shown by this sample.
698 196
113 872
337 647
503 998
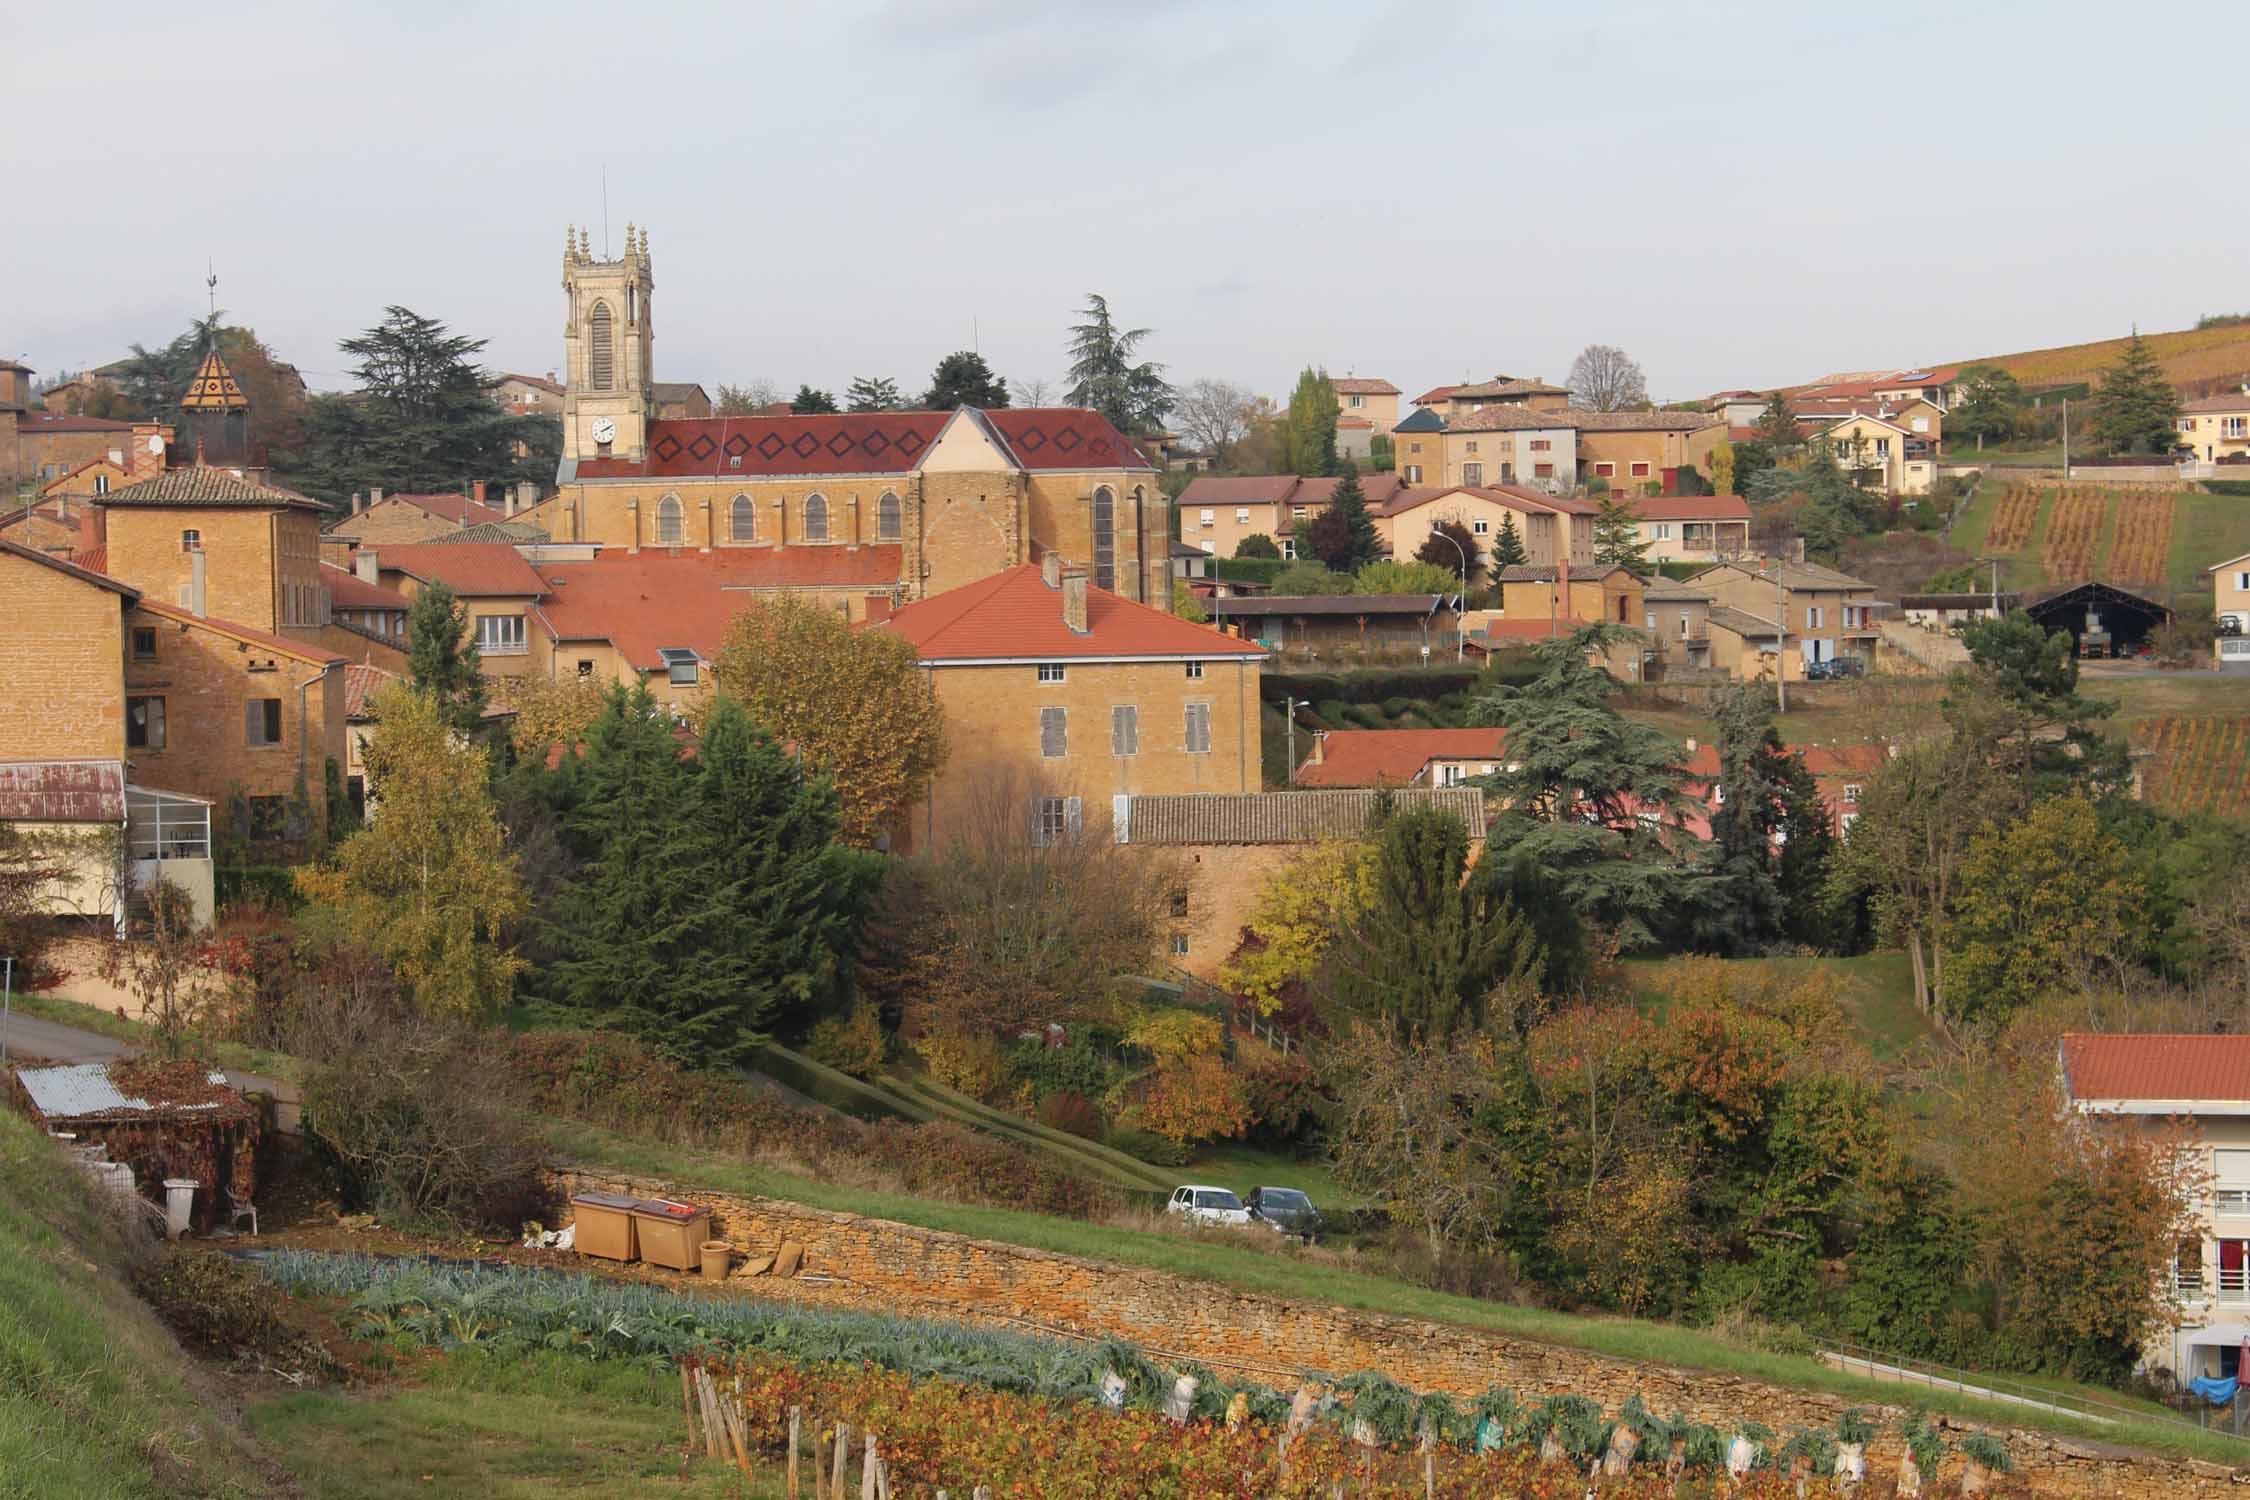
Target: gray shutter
254 722
1038 835
1071 821
1054 732
1198 727
1124 730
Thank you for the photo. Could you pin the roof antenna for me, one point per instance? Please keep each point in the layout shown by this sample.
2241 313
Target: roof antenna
211 290
974 346
605 210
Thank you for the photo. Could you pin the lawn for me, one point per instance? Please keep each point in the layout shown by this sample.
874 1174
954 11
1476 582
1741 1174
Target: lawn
1231 1164
520 1428
1278 1275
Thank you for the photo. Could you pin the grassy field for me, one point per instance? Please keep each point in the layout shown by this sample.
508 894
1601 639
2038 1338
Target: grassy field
520 1428
1266 1271
96 1400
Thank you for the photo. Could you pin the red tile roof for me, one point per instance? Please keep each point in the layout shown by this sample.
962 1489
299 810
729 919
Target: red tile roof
1844 760
882 442
1394 757
1530 502
1361 386
318 655
1692 508
362 682
1014 616
471 569
2156 1066
1435 394
645 602
1063 437
79 571
347 590
1354 423
459 509
1238 489
37 422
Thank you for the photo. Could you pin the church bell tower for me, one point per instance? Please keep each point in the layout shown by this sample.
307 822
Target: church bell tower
606 342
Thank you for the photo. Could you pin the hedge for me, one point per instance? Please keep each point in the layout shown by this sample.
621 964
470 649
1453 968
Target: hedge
2227 486
1247 569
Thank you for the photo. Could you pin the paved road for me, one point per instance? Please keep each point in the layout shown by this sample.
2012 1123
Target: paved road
68 1044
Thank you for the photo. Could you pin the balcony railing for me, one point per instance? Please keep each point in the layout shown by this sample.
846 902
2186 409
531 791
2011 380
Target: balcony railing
2234 1284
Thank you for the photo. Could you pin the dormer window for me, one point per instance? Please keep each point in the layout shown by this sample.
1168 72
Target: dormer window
682 667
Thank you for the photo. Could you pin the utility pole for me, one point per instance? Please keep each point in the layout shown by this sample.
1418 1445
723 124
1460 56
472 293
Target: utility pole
1460 630
2066 438
1289 719
1781 646
7 1004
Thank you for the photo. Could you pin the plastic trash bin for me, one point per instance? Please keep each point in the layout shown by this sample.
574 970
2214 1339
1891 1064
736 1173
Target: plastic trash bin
179 1204
604 1224
671 1234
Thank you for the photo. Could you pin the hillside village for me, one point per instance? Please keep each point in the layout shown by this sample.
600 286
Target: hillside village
619 926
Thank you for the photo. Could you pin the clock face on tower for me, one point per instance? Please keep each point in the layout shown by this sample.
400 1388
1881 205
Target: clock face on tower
605 431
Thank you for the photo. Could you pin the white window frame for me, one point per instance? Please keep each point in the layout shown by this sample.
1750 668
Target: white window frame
1053 820
501 635
1481 526
1195 671
1052 672
1208 518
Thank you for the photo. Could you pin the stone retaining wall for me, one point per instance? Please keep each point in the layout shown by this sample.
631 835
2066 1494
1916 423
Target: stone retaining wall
855 1261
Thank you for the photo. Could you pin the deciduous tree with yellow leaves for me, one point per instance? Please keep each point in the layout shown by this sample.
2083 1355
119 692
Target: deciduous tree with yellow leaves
851 701
428 884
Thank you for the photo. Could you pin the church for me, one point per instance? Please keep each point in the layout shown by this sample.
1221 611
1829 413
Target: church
820 504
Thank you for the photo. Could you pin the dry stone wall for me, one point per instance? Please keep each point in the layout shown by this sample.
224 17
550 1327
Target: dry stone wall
904 1269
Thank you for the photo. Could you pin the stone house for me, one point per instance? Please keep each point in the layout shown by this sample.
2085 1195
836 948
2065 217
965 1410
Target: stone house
1071 698
1881 452
1693 528
1552 528
1218 510
1816 612
1373 401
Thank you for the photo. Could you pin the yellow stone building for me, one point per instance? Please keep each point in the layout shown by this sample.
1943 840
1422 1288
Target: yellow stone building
959 494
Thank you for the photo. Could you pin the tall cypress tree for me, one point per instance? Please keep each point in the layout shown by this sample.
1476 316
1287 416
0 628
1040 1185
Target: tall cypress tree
442 659
1309 439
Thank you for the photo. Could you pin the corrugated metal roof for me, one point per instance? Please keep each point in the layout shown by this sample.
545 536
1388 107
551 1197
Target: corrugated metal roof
1283 817
83 1090
62 791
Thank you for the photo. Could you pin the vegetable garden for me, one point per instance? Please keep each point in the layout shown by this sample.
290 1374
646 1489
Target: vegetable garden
2196 762
968 1410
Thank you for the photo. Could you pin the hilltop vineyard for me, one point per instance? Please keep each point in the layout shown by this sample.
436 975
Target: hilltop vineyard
2195 762
2067 555
2013 520
2144 539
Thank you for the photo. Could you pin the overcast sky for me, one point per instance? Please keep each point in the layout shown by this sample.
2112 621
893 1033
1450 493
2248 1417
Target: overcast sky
1738 194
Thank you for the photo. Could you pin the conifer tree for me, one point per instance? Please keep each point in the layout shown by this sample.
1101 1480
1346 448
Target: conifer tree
442 658
1439 941
1777 426
1344 536
1752 798
1507 547
712 903
1617 536
2137 410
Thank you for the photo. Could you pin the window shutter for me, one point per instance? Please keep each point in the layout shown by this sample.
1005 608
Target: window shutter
254 722
1198 727
1053 732
1038 833
1124 730
1071 820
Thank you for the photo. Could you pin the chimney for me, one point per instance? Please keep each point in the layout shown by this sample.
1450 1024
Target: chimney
1319 748
195 583
366 567
374 496
359 502
1074 600
1050 569
476 491
1691 744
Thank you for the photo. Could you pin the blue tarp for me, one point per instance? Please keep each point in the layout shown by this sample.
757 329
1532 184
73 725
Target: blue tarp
2217 1392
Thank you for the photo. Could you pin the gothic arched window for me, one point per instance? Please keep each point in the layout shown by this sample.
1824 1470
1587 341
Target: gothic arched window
816 518
1105 538
742 519
670 531
887 528
601 353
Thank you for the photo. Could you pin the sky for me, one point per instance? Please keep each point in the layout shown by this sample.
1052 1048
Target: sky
1737 194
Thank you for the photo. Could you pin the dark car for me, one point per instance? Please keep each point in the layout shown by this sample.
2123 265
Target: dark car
1285 1211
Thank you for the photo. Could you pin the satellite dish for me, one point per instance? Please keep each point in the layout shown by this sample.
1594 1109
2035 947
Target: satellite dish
156 442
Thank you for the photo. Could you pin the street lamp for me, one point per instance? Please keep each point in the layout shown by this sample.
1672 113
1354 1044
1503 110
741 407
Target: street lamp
1460 631
1289 707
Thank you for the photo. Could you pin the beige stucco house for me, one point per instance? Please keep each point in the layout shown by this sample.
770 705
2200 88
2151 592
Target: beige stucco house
1786 616
1694 528
2217 427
